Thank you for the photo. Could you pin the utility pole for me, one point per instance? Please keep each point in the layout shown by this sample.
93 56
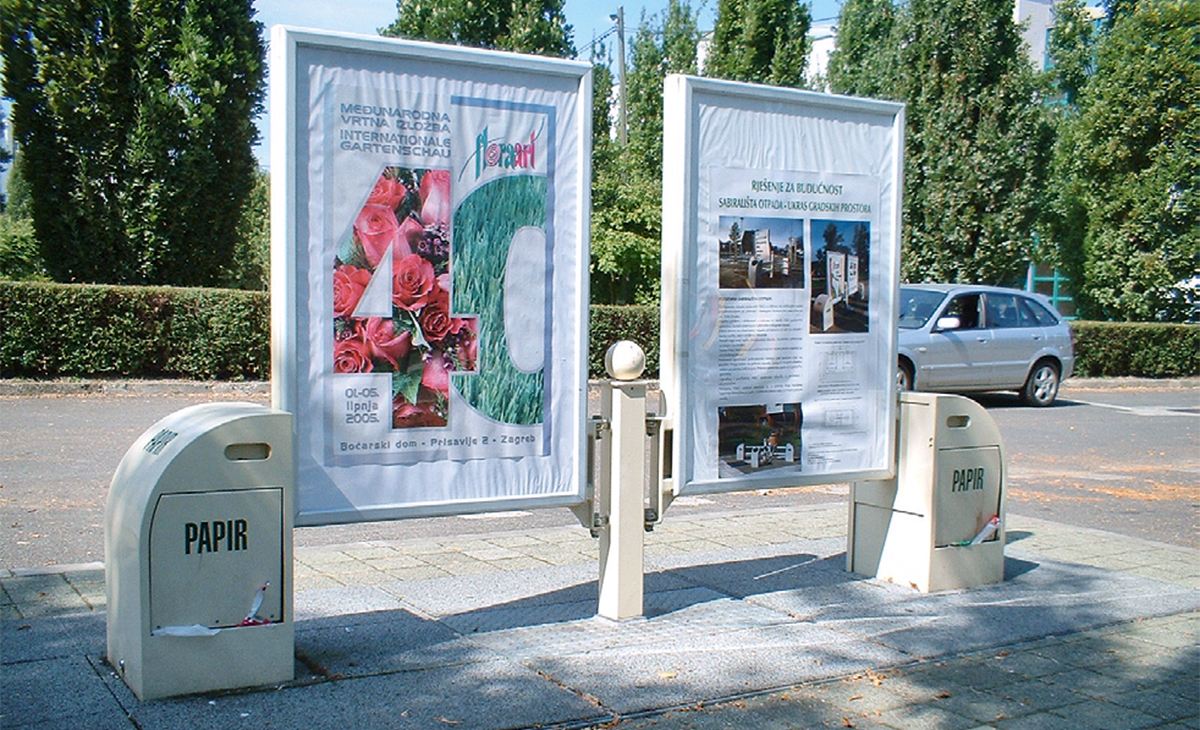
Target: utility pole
622 126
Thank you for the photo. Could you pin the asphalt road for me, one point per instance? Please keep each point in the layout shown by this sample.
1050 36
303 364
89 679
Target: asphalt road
1122 456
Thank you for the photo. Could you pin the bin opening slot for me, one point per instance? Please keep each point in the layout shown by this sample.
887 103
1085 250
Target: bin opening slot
248 452
958 421
668 453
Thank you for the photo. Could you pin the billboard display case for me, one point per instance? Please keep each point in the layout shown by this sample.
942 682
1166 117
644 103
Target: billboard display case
429 274
781 243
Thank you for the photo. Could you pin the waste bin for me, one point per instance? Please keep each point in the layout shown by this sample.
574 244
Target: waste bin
939 524
198 552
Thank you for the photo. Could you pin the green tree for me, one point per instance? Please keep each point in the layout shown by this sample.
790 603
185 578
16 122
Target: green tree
5 156
626 230
625 219
1130 165
526 26
198 73
1117 10
17 202
136 137
627 182
19 258
864 60
602 90
1072 49
250 266
977 140
68 71
661 47
761 41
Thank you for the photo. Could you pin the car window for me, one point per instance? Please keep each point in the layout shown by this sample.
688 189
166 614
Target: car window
1003 312
1039 313
966 308
917 306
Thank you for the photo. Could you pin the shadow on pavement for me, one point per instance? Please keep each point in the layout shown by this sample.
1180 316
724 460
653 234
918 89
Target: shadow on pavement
711 631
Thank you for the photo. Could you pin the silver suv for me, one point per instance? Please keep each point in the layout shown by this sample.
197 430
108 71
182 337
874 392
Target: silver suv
960 338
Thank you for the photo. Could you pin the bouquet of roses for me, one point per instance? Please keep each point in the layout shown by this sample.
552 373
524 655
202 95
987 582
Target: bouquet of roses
408 213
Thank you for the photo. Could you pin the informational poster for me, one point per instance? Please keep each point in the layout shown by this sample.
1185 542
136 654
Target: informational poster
429 264
780 272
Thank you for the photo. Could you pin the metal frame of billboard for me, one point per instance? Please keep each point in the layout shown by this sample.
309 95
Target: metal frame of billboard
420 391
767 381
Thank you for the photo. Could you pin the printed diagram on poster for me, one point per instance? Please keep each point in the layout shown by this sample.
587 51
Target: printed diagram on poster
780 266
429 329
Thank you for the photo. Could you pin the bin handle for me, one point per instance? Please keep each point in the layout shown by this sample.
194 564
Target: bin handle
192 630
958 421
248 452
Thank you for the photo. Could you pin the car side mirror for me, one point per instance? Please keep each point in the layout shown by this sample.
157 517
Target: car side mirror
949 323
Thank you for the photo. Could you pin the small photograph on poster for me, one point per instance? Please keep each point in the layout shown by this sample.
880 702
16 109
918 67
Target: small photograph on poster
761 253
840 276
391 299
758 438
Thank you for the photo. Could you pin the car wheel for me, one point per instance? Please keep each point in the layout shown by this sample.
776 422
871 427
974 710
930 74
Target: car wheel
1041 388
904 376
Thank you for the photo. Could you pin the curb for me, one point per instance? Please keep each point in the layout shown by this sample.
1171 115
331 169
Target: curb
16 387
132 386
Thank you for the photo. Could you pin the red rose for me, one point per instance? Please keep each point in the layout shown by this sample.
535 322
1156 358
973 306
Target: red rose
377 230
352 354
435 197
348 285
412 282
411 233
435 319
436 376
388 191
467 348
380 335
407 415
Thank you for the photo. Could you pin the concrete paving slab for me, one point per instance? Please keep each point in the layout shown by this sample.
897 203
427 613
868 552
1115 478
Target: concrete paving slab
37 639
383 644
742 577
462 594
631 679
1054 598
56 692
341 600
494 695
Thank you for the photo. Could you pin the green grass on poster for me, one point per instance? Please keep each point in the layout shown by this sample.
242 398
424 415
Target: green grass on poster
484 225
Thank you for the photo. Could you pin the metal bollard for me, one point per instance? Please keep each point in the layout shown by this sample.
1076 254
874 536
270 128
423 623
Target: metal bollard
622 559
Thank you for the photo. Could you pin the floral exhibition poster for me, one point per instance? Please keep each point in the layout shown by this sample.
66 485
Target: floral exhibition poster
439 243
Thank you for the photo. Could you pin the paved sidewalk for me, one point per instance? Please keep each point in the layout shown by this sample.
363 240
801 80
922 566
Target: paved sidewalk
751 622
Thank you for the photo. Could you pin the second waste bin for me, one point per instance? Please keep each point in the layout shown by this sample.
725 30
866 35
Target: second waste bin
939 524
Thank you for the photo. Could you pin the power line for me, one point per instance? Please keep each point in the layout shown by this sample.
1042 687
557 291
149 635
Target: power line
597 39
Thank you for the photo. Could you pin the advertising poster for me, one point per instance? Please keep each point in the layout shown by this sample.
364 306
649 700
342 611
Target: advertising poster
429 275
780 269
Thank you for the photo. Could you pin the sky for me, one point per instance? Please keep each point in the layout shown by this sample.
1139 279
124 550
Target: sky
589 18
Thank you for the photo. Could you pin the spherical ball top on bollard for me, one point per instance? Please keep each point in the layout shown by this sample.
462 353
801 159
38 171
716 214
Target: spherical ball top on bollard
624 360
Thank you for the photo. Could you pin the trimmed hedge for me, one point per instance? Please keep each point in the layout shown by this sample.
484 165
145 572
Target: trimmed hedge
611 323
56 330
1148 350
68 330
